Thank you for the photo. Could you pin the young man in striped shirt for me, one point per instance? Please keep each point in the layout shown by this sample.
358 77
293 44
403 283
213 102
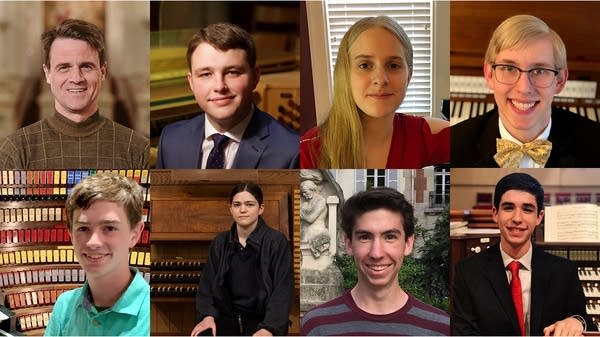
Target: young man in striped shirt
379 227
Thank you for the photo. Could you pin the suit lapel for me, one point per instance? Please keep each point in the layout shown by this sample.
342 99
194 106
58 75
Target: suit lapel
486 146
193 148
496 275
560 156
540 276
253 142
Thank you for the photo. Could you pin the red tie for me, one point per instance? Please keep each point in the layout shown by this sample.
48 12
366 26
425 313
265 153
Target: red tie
517 294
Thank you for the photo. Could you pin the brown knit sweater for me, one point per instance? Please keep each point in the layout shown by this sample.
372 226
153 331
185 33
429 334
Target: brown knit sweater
59 143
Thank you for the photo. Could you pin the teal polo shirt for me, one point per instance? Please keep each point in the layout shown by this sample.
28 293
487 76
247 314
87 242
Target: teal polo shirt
75 315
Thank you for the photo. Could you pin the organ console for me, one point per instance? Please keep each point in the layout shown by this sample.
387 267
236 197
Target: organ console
37 261
468 105
586 256
189 208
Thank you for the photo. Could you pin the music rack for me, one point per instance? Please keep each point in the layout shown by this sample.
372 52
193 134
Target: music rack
37 260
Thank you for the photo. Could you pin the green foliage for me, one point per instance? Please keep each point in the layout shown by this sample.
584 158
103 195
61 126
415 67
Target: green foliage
425 278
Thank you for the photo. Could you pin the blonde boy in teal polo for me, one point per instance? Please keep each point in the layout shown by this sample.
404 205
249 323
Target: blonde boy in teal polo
104 219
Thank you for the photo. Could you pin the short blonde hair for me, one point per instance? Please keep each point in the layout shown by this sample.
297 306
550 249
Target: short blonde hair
107 186
518 31
341 133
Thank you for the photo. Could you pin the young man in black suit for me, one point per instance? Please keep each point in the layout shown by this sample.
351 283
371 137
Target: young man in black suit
525 66
541 295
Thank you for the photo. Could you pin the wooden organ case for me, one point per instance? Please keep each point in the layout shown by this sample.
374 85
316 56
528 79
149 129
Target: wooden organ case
189 208
37 260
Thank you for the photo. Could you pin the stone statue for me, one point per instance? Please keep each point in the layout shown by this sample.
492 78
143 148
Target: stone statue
313 214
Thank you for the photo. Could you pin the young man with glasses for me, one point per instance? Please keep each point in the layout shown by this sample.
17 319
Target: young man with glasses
525 66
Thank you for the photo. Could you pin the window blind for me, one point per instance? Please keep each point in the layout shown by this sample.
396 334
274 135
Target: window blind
416 19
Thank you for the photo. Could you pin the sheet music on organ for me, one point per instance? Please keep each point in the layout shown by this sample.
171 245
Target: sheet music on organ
572 223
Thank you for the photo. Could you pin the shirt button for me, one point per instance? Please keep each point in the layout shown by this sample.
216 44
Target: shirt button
96 322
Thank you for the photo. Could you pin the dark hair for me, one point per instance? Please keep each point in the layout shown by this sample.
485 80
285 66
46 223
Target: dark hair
78 30
522 182
223 36
249 187
374 199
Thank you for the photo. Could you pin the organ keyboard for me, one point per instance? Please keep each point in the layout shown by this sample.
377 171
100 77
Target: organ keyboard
465 105
37 261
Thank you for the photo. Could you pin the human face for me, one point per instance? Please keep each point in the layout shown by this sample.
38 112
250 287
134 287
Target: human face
379 73
75 77
222 82
517 218
523 108
378 246
245 210
101 237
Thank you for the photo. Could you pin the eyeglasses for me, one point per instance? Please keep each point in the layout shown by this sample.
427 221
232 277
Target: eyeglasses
538 77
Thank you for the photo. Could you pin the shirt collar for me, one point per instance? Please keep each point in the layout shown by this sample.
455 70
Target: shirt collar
504 134
129 303
525 260
235 133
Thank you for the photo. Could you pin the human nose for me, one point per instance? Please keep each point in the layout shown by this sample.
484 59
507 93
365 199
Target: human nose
376 250
517 216
524 82
380 76
220 84
94 240
76 75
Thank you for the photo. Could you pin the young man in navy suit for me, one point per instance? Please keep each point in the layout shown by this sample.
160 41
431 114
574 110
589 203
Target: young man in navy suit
541 295
525 66
232 132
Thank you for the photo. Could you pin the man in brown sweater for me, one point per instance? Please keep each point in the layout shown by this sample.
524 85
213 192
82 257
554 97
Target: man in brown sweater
76 136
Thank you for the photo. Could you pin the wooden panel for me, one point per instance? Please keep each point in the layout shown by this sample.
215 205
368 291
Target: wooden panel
473 22
189 207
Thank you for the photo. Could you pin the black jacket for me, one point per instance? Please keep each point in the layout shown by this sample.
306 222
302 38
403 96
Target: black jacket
276 272
574 140
482 304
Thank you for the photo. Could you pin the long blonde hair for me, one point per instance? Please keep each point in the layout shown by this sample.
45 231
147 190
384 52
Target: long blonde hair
341 133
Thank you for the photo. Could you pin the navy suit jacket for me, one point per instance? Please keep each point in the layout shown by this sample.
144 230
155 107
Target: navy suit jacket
266 144
574 140
482 303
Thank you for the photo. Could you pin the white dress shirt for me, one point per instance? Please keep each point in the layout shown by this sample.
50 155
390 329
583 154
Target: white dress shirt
235 135
525 276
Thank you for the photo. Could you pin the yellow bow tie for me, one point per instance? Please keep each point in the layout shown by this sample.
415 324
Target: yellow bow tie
509 154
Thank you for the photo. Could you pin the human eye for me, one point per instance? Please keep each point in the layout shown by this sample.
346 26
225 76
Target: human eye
395 66
204 74
363 237
364 66
390 236
250 204
528 209
234 73
506 68
236 204
82 229
541 72
62 68
110 228
508 207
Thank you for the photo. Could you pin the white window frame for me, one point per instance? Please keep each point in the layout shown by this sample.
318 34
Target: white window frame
323 60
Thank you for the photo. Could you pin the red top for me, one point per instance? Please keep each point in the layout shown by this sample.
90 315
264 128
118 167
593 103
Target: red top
413 145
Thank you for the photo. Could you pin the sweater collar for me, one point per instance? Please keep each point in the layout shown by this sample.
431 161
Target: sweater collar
83 129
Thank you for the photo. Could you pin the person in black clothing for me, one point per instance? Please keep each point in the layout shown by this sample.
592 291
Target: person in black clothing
247 285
